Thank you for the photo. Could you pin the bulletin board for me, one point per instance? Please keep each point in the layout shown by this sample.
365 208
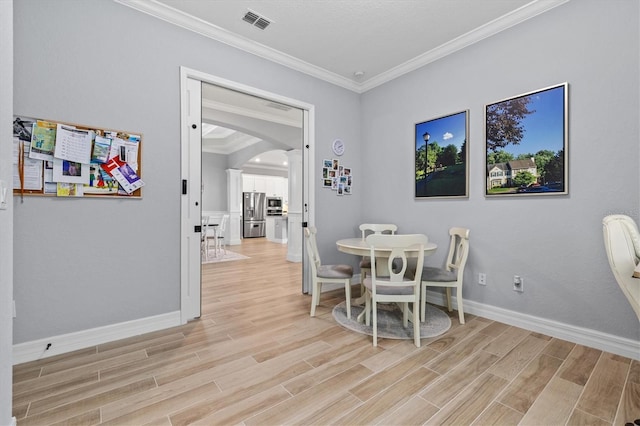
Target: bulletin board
60 159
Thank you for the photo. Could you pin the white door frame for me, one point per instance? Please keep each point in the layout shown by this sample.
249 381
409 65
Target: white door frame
190 204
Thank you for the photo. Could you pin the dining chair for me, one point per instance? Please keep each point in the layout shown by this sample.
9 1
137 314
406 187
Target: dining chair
204 229
208 233
451 276
220 240
622 244
321 274
399 286
368 229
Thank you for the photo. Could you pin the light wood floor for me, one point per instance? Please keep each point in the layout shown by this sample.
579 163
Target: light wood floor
257 358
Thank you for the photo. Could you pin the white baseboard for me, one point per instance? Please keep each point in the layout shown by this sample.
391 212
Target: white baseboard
582 336
31 351
37 349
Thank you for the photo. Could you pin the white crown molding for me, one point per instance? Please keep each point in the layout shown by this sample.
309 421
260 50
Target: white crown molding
176 17
528 11
188 22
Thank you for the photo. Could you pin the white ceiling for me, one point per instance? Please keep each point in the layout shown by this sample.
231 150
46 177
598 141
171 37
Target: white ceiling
355 44
333 39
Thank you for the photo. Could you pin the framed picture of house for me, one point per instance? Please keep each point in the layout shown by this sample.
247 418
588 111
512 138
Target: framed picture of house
526 144
441 166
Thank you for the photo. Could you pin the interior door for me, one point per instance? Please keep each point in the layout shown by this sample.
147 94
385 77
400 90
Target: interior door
191 121
307 194
191 200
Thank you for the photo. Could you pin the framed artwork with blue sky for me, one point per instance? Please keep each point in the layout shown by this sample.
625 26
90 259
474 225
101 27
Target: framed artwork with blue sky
441 166
526 144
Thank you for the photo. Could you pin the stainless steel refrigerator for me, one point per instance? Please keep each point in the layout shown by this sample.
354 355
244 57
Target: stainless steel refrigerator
253 221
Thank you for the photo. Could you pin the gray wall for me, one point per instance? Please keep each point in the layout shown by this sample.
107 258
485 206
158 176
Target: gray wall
554 243
6 216
214 181
99 63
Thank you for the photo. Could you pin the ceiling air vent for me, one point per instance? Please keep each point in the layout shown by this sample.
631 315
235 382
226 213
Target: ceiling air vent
256 20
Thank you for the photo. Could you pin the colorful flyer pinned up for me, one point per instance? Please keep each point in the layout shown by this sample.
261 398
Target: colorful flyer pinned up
124 174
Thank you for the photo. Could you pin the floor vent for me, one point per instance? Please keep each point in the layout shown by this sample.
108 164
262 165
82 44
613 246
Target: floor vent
256 20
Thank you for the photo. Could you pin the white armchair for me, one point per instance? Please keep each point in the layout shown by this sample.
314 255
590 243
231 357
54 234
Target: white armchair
622 243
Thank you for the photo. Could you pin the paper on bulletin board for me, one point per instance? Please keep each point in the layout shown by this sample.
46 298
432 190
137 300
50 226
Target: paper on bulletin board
50 186
130 145
101 149
32 168
124 174
43 140
70 171
73 144
65 189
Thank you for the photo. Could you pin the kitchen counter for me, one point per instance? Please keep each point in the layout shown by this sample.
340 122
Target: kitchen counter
276 229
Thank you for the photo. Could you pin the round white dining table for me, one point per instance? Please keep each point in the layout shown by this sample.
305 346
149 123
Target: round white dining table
359 247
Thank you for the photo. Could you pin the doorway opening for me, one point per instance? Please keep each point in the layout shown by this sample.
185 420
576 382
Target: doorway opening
210 104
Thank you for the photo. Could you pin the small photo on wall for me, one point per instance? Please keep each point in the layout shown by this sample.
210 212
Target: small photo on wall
336 177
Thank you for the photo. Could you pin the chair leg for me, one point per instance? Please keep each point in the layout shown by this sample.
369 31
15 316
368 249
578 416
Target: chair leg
423 303
367 308
374 309
449 299
347 295
363 275
405 314
460 310
315 297
416 326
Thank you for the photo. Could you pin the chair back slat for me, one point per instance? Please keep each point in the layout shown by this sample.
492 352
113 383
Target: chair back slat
223 223
377 228
458 249
312 248
400 248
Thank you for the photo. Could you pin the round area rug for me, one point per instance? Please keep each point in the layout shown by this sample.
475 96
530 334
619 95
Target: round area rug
390 321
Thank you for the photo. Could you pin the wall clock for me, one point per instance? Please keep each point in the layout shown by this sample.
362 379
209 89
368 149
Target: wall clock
338 147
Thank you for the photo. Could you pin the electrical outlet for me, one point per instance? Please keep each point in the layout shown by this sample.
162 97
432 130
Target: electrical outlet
518 283
482 278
